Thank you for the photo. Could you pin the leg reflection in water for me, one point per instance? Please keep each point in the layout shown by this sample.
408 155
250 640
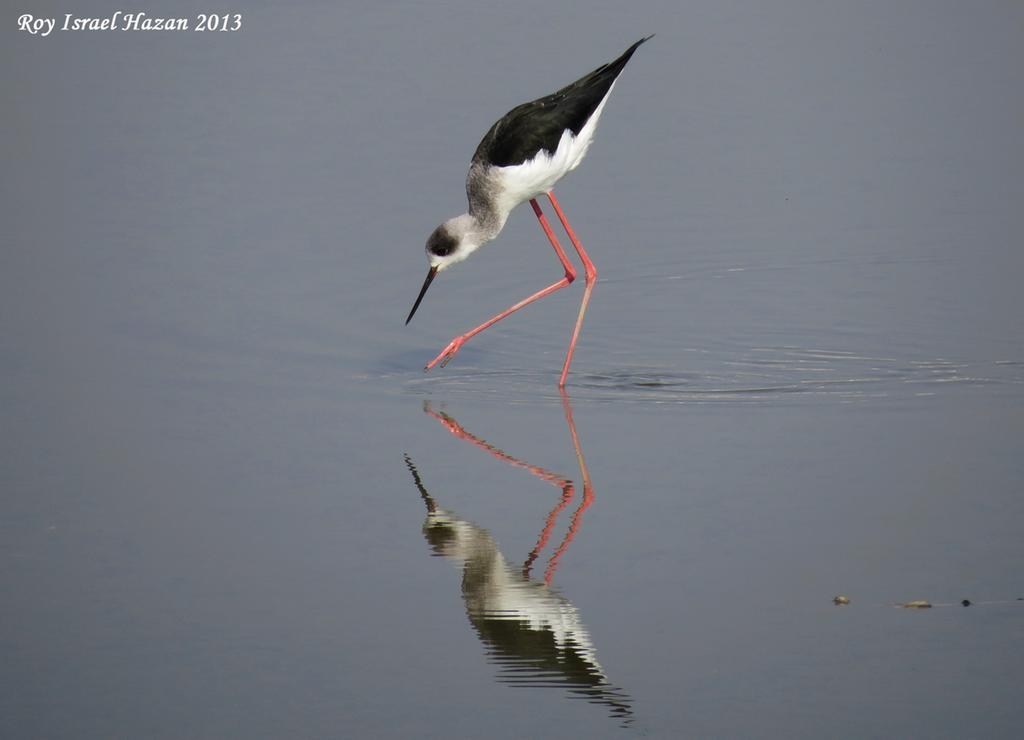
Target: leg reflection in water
531 631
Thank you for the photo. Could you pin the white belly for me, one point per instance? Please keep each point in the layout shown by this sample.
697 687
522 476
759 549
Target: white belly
521 182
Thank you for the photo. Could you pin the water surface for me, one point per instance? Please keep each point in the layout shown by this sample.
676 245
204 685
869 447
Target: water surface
234 506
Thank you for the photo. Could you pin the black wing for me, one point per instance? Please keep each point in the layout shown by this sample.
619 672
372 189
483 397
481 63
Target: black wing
530 127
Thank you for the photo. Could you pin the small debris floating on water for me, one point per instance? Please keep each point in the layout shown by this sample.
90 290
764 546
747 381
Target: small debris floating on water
840 600
965 602
919 604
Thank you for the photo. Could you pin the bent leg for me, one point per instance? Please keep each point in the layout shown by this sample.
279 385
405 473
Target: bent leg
590 277
570 274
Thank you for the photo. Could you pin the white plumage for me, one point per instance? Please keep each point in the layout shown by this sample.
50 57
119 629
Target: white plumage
519 183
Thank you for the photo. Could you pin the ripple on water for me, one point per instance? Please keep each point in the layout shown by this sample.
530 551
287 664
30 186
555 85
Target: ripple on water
758 375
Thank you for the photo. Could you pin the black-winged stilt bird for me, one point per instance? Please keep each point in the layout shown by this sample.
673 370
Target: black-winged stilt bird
531 630
521 157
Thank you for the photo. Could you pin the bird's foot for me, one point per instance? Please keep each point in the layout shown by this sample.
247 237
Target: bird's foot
447 353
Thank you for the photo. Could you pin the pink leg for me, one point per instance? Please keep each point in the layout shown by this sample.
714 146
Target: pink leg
588 493
570 274
549 524
590 277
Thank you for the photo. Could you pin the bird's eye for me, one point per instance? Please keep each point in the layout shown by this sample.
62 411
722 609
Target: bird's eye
441 245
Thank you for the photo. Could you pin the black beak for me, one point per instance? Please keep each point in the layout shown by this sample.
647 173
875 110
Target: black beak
423 291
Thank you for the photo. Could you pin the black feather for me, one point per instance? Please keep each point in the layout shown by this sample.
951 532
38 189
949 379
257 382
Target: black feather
526 129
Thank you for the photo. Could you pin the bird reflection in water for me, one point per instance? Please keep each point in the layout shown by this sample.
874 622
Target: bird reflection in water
532 632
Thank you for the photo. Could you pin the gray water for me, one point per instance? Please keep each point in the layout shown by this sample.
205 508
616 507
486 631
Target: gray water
234 506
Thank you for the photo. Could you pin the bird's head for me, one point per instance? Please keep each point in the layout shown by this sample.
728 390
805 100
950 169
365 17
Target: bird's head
451 242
